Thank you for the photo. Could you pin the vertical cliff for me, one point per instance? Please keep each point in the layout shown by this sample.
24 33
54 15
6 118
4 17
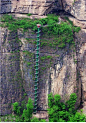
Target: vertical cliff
11 79
77 8
62 71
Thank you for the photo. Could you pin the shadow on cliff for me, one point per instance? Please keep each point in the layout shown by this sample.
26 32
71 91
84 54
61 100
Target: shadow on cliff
6 6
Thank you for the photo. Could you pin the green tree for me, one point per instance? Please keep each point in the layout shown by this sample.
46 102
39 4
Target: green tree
27 113
60 112
16 108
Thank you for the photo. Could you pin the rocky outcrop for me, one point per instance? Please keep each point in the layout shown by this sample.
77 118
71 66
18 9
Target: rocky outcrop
64 73
81 57
28 6
77 8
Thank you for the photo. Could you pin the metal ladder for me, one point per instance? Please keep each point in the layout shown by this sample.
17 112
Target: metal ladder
37 70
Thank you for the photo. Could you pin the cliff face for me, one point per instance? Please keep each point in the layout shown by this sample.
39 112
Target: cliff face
77 8
27 6
64 73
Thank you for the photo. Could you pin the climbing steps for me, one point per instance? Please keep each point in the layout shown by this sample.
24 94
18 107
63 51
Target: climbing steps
36 70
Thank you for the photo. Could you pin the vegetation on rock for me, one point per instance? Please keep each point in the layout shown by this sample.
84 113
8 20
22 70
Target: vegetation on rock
60 112
63 33
57 111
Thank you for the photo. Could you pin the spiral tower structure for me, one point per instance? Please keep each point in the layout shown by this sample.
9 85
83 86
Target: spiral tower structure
37 69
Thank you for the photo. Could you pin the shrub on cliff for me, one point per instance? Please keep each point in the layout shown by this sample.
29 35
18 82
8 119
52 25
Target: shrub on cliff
63 31
16 108
25 114
60 112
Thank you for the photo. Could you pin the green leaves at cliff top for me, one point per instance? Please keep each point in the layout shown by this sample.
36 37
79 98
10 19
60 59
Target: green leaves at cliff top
64 31
27 23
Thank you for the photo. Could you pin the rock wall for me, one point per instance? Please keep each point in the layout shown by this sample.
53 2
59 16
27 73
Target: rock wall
17 70
64 73
77 8
81 57
11 80
27 6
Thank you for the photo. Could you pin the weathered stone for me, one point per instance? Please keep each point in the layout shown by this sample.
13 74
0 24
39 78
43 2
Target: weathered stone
65 76
81 39
24 6
78 23
77 8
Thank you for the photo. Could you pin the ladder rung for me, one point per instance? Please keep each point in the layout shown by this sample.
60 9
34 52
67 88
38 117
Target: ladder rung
36 81
36 99
36 76
37 49
37 56
36 85
35 89
38 32
35 109
38 36
36 104
37 73
37 40
35 92
37 61
37 44
36 65
37 69
37 53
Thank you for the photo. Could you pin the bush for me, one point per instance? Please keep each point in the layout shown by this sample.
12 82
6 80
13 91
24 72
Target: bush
64 31
27 113
60 112
16 108
29 14
37 120
21 113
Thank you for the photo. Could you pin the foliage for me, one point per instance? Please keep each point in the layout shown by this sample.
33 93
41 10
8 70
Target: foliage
45 57
71 103
29 14
60 112
69 20
37 120
7 18
27 113
64 31
17 108
22 113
